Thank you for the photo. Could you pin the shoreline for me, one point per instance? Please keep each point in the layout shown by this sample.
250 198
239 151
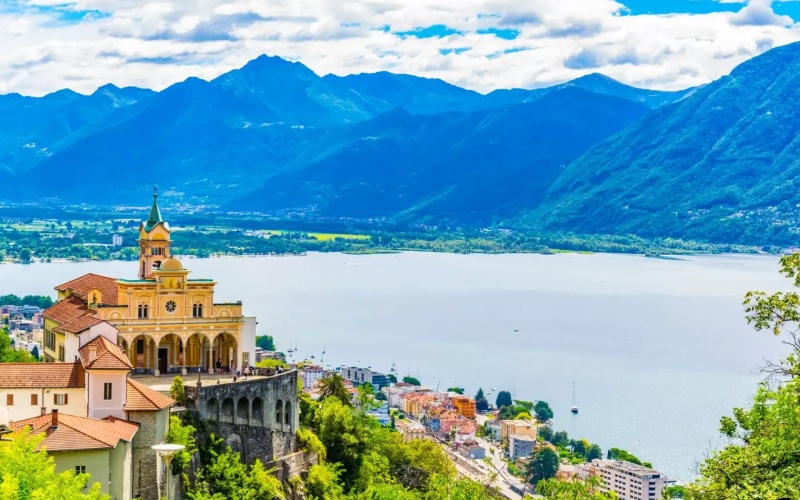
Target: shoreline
554 252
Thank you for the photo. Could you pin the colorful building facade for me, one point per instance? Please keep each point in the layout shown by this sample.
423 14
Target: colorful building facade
167 321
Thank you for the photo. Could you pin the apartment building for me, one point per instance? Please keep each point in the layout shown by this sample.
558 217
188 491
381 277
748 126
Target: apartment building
521 446
630 481
510 428
464 406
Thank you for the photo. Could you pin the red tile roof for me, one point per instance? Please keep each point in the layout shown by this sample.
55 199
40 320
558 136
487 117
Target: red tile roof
143 398
79 433
108 356
67 310
78 325
42 375
108 287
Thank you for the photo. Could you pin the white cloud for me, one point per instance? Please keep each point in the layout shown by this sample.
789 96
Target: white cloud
154 44
759 13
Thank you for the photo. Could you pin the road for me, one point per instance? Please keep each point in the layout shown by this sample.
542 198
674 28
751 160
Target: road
479 471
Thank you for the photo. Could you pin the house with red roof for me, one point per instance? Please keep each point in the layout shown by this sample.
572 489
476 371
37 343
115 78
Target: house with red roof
95 418
102 448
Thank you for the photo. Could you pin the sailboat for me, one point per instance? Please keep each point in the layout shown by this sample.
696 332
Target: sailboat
574 408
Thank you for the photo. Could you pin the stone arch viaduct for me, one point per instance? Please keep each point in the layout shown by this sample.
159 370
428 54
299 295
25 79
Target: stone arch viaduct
256 417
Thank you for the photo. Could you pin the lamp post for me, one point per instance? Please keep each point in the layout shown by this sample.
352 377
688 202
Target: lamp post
166 451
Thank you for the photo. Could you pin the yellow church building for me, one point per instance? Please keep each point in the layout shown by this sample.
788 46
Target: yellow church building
167 322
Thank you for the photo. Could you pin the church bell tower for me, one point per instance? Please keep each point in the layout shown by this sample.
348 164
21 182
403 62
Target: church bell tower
154 241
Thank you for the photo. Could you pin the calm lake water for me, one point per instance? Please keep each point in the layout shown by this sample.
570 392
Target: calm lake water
658 349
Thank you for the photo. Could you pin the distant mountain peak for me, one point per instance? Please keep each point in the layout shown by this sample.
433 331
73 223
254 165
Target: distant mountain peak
275 63
62 95
596 77
108 88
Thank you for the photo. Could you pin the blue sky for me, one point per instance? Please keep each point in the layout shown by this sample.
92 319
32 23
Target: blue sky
479 44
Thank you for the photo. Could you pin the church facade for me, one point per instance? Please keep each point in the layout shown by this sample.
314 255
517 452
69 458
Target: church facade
167 321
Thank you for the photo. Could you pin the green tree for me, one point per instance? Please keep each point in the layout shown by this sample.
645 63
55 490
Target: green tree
227 477
346 438
265 342
579 446
546 433
307 440
25 255
543 411
457 390
35 352
575 489
333 387
366 396
180 433
481 403
561 439
671 492
392 378
26 473
543 465
594 452
408 379
10 355
761 460
323 483
177 391
504 399
618 454
524 404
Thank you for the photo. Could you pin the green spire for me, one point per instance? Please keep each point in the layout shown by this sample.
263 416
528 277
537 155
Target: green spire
155 213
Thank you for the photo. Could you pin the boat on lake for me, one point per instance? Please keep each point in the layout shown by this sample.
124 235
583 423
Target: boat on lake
574 406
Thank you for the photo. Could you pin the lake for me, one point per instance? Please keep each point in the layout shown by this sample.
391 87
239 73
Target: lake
658 349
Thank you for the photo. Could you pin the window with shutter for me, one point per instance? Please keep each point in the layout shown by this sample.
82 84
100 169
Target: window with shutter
9 400
34 400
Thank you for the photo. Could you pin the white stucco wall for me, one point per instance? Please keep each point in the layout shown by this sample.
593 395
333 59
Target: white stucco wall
71 346
248 341
23 409
103 329
99 407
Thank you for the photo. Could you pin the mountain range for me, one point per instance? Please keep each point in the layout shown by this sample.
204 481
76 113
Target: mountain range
592 155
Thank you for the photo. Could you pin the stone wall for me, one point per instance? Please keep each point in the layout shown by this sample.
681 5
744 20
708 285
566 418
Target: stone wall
256 417
144 458
153 426
292 465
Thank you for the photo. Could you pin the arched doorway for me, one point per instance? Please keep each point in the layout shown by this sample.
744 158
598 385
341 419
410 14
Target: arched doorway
170 354
196 352
224 348
258 413
142 353
242 411
212 409
226 414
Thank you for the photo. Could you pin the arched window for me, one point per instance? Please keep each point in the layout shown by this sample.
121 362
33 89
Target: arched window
143 311
278 412
287 413
197 311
